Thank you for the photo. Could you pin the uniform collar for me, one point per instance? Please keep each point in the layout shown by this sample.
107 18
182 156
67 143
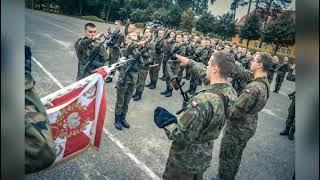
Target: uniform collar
217 86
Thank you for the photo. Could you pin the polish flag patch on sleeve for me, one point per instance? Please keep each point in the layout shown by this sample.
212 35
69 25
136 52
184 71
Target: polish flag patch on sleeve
194 104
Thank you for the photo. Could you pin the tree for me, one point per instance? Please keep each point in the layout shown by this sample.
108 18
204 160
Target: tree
280 32
249 7
139 16
187 20
160 14
235 4
225 26
174 15
251 30
205 24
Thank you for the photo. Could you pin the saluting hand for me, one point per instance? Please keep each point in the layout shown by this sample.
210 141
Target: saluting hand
183 60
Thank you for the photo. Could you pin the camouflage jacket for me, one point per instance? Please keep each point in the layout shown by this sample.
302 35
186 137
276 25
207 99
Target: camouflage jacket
205 56
191 49
273 68
244 116
147 56
177 49
196 129
84 47
168 43
118 40
240 78
245 63
39 145
198 54
200 70
282 68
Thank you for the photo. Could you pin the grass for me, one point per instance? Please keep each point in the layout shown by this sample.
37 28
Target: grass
92 18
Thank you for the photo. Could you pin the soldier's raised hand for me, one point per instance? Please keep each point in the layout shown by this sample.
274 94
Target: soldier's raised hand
183 60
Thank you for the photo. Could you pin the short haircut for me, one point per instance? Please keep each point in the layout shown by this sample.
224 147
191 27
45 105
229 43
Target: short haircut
89 25
117 21
225 62
266 60
150 30
132 24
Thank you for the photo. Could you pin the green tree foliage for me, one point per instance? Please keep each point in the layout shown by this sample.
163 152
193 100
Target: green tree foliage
174 15
280 32
225 26
187 20
206 23
160 14
235 4
139 15
251 30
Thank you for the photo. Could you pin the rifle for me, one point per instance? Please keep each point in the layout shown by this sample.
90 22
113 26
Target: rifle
132 67
110 38
177 84
92 64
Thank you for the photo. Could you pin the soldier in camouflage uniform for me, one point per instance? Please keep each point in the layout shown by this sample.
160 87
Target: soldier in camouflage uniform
190 51
290 122
114 48
240 77
167 52
143 73
126 83
282 69
185 40
194 132
177 48
84 47
242 124
273 69
246 61
39 146
157 57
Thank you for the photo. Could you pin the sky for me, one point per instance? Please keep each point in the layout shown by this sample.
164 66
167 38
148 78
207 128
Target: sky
223 6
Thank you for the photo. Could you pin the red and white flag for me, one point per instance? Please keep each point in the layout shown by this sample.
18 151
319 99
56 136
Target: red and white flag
76 114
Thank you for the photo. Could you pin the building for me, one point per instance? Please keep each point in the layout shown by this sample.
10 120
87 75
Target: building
254 44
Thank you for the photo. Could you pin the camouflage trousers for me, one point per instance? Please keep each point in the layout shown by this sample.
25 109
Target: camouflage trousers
231 148
164 66
154 71
80 71
279 80
175 173
194 80
114 54
175 70
270 77
142 76
124 93
290 122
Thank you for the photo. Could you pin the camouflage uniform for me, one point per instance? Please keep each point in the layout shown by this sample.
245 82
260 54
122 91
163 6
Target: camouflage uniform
182 68
167 52
196 129
175 65
39 145
290 122
198 56
271 72
240 78
245 63
241 126
125 87
114 50
143 73
282 69
84 46
157 57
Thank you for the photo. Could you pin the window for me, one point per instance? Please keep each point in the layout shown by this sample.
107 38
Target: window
289 51
256 44
240 41
264 46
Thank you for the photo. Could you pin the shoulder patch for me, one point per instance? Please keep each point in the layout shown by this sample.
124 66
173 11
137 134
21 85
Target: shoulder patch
194 104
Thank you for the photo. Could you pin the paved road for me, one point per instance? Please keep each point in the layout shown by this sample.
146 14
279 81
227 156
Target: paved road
141 152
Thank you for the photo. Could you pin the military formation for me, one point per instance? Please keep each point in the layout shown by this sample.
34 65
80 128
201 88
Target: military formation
233 105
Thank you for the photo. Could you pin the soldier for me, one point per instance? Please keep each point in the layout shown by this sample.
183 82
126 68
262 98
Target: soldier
157 57
190 50
84 47
143 73
246 61
198 56
290 122
282 69
114 47
240 78
242 124
273 69
226 49
39 146
194 132
126 83
183 68
167 50
177 48
126 29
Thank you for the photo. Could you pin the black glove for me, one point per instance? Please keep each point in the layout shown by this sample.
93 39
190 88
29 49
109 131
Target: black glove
163 118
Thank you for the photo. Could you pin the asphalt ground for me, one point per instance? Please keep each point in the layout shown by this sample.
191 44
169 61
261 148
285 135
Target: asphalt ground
141 152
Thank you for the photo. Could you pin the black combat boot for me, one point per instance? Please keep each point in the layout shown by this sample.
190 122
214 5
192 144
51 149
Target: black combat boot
163 78
153 85
124 122
291 134
285 131
138 96
169 93
165 91
117 123
134 94
148 85
108 80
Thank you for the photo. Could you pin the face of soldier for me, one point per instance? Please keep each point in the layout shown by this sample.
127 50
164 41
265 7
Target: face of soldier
212 69
90 32
239 49
117 25
134 37
208 43
172 34
185 38
248 55
285 60
275 59
160 34
203 43
131 28
227 49
255 64
178 39
147 33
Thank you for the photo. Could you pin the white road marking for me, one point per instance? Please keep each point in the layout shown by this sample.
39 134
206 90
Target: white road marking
125 150
269 112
